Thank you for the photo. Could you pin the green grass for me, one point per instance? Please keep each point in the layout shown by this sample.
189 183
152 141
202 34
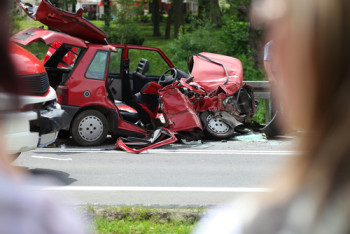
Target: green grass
144 220
23 24
124 226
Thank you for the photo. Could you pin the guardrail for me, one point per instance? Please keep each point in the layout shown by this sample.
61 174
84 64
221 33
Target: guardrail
262 91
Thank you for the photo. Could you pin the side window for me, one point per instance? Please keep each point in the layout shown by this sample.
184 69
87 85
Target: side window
97 67
69 59
157 65
115 61
62 56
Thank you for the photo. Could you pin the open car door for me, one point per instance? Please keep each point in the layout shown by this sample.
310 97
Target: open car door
67 22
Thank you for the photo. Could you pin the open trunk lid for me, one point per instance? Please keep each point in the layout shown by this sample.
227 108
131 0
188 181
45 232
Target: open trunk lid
67 22
31 35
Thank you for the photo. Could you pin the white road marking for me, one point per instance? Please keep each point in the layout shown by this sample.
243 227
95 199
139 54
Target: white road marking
156 189
171 151
52 158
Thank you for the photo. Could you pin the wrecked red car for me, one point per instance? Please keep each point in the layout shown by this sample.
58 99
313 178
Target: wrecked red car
122 90
212 99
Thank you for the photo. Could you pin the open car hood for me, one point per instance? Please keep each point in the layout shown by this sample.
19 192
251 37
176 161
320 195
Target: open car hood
31 35
213 70
67 22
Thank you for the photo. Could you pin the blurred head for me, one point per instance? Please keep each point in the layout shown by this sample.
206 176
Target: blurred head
312 47
8 82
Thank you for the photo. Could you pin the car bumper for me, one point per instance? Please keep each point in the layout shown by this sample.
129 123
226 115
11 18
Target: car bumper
26 131
17 134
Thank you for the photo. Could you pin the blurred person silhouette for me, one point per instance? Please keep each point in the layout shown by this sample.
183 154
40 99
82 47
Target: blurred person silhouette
312 192
23 210
272 129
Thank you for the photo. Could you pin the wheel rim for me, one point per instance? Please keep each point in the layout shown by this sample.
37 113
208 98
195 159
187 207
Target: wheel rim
217 125
90 128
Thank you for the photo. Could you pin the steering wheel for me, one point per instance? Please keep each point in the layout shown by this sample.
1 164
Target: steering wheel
168 77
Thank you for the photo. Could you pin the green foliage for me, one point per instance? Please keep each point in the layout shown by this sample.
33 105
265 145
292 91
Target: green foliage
236 36
15 20
249 70
144 18
203 39
126 28
260 112
207 39
124 34
39 49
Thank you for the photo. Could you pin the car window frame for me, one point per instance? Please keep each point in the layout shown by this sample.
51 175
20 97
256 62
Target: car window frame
147 49
121 59
105 69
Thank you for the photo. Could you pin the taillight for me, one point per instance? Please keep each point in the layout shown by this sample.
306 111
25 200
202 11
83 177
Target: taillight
62 94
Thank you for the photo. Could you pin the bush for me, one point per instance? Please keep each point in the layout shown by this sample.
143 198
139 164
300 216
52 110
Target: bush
144 18
236 37
124 35
249 70
209 40
204 39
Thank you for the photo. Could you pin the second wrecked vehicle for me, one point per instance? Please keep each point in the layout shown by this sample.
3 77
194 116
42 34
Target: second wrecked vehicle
121 89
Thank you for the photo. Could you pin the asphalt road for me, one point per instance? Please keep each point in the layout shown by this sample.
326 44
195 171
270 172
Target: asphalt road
176 175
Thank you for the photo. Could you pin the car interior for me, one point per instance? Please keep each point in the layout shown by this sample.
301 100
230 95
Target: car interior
57 69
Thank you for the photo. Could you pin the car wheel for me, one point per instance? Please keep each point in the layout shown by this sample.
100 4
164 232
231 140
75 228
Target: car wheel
215 128
89 128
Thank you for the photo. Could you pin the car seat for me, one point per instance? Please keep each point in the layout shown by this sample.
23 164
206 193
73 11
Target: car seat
146 103
138 76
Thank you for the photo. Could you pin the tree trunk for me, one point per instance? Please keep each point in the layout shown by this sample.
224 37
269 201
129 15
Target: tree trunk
210 9
203 8
169 23
156 18
255 45
215 13
177 6
74 6
107 12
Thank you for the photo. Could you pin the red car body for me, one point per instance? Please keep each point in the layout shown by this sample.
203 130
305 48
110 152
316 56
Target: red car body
93 89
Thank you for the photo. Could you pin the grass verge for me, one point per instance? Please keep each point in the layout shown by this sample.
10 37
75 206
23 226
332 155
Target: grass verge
144 220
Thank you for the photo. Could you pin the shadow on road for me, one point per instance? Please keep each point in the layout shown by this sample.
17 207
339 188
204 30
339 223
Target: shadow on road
61 177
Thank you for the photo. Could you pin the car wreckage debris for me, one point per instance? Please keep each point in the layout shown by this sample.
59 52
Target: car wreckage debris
160 137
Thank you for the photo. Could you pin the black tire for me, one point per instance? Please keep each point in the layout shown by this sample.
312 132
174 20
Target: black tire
63 134
222 132
89 128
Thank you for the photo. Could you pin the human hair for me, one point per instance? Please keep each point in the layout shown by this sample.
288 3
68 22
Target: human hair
8 80
312 45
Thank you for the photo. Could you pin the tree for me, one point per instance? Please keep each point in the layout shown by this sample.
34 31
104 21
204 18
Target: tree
210 9
169 23
107 12
176 16
177 6
242 11
155 17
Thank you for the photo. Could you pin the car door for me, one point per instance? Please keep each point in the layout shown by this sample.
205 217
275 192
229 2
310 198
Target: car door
146 64
115 75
